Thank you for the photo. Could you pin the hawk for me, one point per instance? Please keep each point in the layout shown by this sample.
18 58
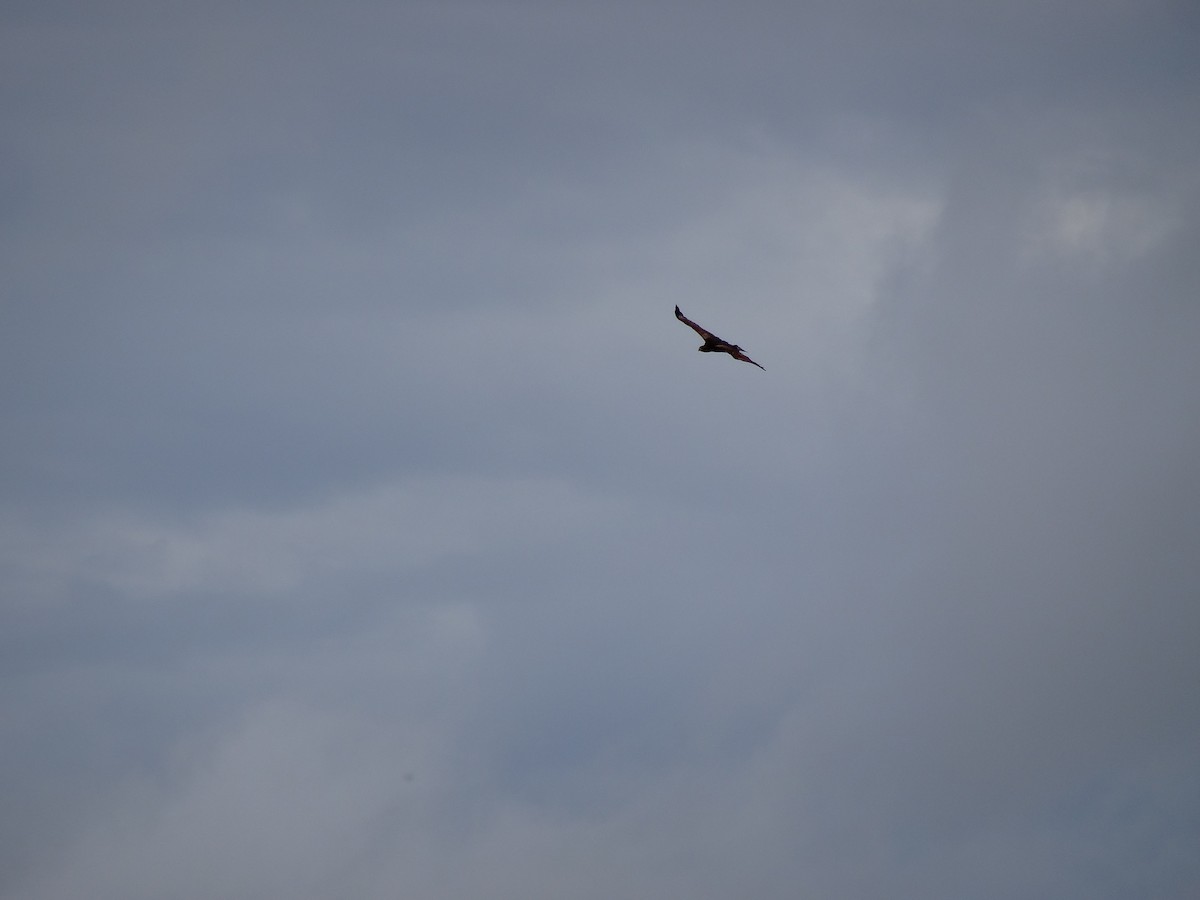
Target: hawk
712 343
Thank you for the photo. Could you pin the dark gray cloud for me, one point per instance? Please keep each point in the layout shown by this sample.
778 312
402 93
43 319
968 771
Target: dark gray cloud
370 527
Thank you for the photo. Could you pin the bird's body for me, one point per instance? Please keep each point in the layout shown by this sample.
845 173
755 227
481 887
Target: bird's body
712 343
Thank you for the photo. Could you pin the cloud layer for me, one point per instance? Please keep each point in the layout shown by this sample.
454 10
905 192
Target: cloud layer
371 528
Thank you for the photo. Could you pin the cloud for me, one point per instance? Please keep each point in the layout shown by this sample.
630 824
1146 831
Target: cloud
251 553
371 526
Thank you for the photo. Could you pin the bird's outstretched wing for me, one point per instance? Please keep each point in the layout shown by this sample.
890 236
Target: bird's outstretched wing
707 335
737 353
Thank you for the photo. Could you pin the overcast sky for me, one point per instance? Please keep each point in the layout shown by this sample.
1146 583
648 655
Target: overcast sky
370 528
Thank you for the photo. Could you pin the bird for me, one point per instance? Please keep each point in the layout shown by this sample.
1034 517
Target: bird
713 344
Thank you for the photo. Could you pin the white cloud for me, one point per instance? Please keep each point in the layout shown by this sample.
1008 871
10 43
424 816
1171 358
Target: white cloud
388 528
1101 227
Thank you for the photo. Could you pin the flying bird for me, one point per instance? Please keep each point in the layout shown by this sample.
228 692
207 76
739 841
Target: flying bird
712 343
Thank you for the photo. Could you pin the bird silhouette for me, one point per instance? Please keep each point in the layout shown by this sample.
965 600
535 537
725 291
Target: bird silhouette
713 344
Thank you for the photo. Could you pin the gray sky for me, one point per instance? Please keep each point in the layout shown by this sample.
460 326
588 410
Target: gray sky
370 527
